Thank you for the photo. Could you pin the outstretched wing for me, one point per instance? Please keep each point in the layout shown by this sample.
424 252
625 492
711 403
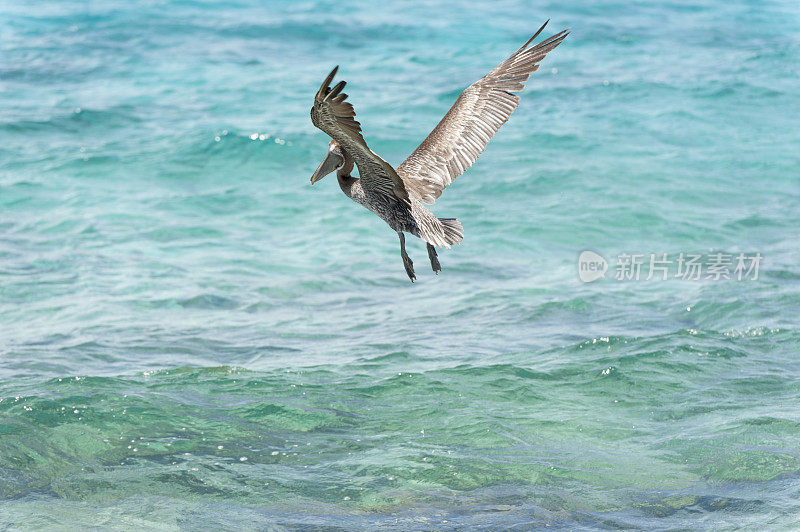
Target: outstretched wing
336 117
457 141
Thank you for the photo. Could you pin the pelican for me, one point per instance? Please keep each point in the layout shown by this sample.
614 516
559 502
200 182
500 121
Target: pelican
399 195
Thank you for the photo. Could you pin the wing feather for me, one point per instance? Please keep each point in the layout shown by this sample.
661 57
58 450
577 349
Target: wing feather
479 112
336 117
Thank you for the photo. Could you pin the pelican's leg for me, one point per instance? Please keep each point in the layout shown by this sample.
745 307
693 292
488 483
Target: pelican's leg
434 259
406 259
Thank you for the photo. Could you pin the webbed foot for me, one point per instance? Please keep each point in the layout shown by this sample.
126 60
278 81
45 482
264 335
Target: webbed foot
434 260
409 268
406 259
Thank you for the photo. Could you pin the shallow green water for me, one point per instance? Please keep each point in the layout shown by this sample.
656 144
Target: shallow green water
192 337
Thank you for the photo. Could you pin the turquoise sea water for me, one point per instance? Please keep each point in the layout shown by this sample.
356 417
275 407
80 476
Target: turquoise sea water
193 337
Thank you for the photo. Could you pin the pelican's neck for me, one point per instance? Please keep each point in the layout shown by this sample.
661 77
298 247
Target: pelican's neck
343 173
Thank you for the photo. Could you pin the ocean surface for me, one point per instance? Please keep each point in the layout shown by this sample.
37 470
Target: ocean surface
193 337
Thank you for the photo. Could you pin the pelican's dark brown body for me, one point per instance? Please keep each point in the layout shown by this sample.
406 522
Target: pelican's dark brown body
402 216
398 196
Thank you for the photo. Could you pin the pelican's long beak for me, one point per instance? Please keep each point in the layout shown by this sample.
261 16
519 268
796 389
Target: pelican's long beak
331 162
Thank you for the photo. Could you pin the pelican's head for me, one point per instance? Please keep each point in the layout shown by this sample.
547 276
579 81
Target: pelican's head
334 160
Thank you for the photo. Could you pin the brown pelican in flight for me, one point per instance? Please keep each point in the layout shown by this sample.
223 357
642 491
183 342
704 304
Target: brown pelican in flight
398 195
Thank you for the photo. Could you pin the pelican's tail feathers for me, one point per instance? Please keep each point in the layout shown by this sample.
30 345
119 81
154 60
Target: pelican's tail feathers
439 232
453 232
